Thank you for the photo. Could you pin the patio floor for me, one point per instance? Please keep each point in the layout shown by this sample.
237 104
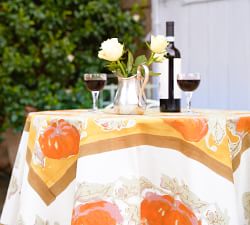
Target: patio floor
4 182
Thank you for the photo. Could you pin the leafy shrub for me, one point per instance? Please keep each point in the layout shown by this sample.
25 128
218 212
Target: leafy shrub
46 46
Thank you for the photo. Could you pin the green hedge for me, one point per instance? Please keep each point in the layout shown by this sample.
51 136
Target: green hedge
36 40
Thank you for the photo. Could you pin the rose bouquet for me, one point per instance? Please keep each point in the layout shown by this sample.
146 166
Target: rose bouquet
121 60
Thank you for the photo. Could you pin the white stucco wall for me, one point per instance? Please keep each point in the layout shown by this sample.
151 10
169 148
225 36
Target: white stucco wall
214 39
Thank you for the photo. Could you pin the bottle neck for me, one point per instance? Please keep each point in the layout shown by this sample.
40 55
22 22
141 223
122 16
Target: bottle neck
170 39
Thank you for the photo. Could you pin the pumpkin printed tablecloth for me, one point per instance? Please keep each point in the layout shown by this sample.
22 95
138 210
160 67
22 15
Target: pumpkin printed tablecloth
82 168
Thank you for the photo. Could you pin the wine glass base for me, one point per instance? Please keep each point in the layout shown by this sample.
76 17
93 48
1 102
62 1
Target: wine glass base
189 112
94 110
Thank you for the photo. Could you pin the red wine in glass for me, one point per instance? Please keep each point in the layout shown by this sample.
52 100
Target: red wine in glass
188 85
95 83
188 82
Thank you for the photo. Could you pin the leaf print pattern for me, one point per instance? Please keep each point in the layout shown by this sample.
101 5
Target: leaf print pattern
41 221
13 187
114 124
216 129
246 205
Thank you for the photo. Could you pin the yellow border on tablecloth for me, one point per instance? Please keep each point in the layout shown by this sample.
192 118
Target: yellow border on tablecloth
48 194
99 141
172 143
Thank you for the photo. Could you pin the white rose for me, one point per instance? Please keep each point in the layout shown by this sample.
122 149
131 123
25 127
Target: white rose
159 57
111 50
158 44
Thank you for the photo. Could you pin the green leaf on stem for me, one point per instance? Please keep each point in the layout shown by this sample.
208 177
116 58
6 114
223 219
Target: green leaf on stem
148 45
112 66
130 61
141 59
122 68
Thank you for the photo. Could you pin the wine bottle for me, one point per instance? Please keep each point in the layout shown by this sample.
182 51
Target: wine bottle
169 91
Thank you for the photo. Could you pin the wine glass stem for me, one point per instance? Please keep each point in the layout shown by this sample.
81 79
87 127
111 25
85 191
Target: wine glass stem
188 99
95 95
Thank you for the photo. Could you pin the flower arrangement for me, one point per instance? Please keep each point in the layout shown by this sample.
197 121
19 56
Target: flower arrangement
121 61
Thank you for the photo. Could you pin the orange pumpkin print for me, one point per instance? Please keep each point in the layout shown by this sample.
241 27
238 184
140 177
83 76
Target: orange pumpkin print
191 129
243 124
60 140
165 210
96 213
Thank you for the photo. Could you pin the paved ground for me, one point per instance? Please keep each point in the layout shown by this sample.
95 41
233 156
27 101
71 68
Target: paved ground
4 182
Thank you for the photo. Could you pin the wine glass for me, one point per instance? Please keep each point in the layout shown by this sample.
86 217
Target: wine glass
95 83
188 82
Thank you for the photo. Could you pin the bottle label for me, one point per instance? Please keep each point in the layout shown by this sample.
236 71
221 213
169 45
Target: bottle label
170 38
164 80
